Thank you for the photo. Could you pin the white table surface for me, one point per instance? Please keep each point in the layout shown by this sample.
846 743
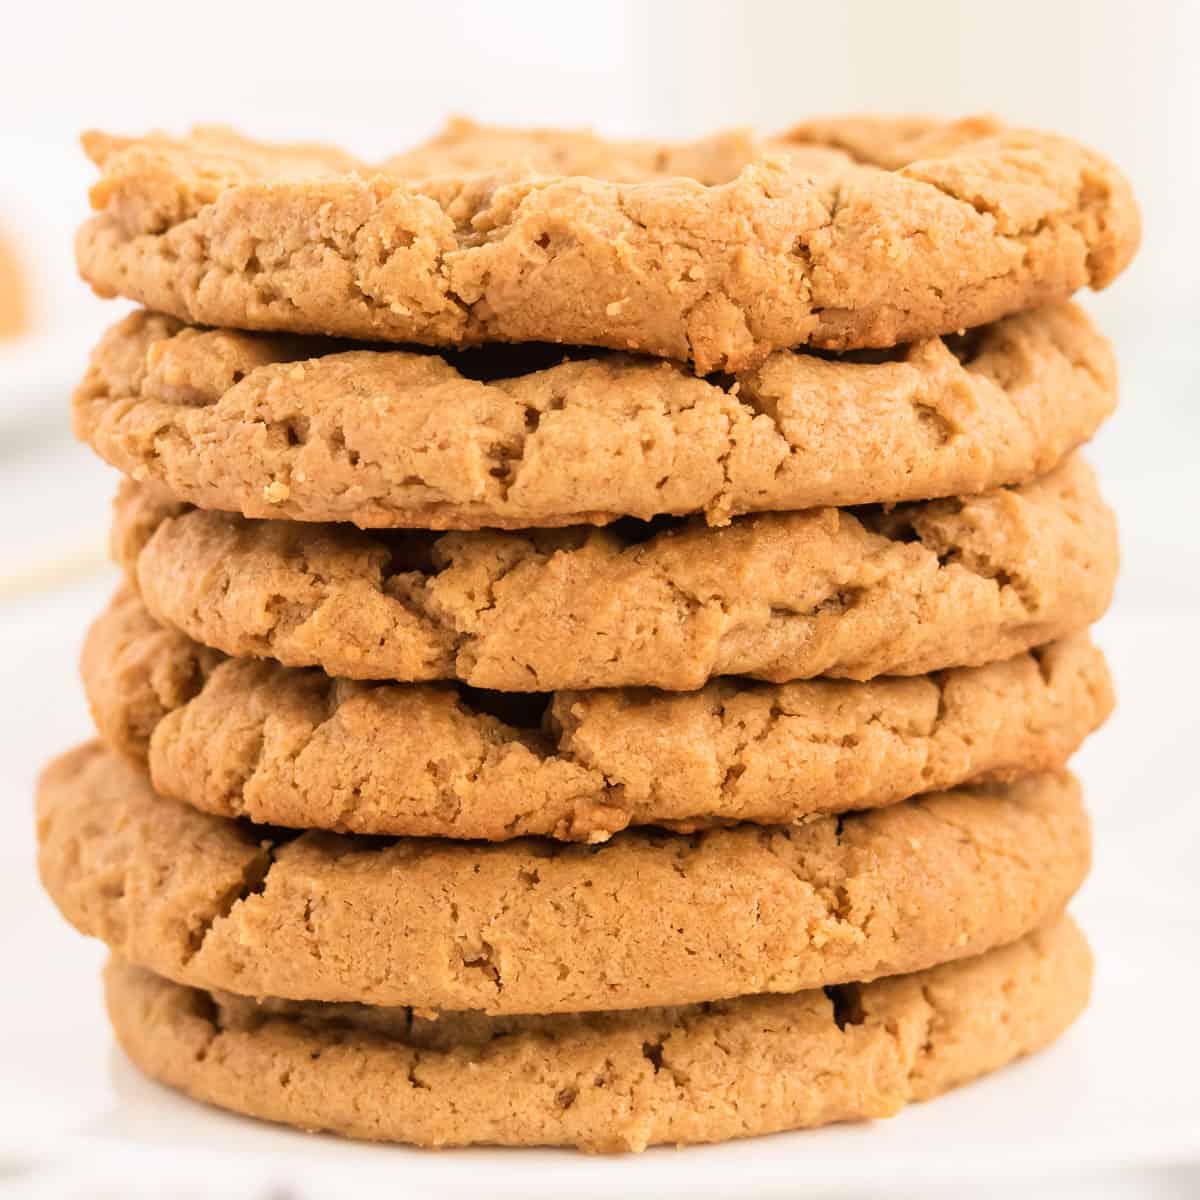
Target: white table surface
1113 1110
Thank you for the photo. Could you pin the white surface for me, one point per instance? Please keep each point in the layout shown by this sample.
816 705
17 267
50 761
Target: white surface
1119 1093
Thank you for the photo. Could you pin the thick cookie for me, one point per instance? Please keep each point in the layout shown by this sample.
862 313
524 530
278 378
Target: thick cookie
607 1081
533 926
777 596
247 738
866 232
382 438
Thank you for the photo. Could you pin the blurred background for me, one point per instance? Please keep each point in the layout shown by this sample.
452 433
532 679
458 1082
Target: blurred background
376 76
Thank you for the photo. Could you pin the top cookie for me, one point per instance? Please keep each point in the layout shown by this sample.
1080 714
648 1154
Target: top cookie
852 232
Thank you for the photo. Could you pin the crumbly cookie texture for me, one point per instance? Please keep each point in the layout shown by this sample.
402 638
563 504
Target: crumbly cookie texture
776 596
612 1081
248 738
535 926
840 233
285 427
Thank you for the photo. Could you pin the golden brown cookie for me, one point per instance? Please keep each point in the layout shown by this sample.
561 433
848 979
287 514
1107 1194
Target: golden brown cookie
304 430
859 232
281 746
535 926
777 596
607 1081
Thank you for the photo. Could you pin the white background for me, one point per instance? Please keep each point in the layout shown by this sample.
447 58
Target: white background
1126 78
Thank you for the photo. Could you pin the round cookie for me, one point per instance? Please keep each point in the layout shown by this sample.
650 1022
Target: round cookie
538 926
607 1081
776 596
280 427
281 746
867 232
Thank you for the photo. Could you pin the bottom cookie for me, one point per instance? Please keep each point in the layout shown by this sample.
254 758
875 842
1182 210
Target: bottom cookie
606 1081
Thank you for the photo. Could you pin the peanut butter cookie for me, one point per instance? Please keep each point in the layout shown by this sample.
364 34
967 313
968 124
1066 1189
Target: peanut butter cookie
776 596
613 1081
535 926
306 430
841 233
282 746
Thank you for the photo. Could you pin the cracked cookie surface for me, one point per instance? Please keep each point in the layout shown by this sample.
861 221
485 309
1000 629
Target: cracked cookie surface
607 1081
282 746
535 926
840 233
305 430
777 596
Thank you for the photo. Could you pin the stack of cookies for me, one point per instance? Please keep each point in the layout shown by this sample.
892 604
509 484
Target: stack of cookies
618 691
